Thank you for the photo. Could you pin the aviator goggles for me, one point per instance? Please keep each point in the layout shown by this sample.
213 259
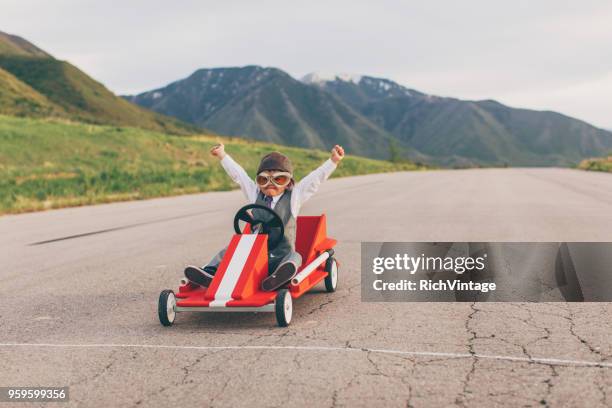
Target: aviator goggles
279 178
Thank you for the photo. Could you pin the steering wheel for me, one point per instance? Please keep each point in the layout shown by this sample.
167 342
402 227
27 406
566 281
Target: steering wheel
263 217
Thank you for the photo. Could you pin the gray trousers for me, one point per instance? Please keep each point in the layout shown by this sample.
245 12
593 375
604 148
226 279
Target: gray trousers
275 260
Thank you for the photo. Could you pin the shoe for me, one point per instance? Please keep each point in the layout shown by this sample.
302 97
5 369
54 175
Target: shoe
200 276
283 274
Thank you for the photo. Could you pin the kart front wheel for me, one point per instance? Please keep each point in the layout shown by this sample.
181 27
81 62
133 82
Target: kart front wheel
166 307
283 307
331 280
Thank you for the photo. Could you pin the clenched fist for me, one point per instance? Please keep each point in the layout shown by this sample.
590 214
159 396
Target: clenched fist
337 154
218 151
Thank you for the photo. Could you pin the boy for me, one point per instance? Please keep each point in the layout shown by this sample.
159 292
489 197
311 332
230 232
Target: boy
274 188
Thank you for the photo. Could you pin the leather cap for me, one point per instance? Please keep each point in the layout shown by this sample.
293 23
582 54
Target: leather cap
275 161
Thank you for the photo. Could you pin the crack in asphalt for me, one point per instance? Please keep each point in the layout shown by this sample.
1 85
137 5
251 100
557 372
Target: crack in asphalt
186 369
335 299
592 349
187 372
183 381
582 340
221 391
461 397
104 370
529 358
549 387
335 398
409 385
376 368
530 321
524 347
344 388
550 384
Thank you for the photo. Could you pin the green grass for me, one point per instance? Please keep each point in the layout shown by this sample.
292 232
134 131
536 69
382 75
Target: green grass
48 163
597 164
19 99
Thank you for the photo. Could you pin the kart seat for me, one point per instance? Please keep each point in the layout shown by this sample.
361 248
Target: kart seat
311 233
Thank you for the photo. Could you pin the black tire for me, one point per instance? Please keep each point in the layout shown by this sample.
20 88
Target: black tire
331 280
165 307
283 307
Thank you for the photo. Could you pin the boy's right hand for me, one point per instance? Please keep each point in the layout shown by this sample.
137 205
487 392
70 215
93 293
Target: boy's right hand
218 151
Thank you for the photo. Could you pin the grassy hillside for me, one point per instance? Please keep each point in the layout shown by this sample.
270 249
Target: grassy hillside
33 83
75 95
597 164
48 163
15 45
18 98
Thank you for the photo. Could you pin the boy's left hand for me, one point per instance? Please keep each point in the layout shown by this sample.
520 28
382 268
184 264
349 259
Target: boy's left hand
337 154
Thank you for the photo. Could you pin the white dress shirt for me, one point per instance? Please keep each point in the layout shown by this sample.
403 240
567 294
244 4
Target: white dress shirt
302 191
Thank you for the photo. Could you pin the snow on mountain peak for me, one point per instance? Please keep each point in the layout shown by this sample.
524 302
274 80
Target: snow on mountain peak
322 77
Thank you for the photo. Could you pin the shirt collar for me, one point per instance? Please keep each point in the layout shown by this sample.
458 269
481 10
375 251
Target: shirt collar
275 198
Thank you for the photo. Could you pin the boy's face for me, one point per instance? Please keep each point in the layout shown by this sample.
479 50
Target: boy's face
271 190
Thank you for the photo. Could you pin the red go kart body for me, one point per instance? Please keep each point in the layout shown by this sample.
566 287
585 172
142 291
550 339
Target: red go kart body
237 282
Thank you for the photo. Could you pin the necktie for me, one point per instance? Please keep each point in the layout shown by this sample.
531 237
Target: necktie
268 201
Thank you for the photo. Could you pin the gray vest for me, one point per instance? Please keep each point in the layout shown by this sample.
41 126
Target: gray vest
283 209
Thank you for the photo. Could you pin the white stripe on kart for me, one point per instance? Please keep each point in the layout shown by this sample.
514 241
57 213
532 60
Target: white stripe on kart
234 270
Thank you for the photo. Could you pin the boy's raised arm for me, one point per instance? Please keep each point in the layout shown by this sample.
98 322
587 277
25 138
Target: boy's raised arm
236 172
310 184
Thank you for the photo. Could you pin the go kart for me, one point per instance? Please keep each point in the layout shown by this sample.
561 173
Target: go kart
236 286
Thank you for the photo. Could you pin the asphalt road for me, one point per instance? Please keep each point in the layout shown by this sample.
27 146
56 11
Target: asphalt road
88 301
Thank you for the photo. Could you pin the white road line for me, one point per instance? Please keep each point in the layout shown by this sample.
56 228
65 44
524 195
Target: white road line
536 360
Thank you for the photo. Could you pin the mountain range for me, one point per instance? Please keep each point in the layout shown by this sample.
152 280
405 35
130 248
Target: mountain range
269 105
373 117
370 116
34 83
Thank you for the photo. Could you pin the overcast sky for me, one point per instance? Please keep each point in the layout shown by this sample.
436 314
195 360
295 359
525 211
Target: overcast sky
537 54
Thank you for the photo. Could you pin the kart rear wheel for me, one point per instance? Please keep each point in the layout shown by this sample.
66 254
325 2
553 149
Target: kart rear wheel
166 307
331 280
283 307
